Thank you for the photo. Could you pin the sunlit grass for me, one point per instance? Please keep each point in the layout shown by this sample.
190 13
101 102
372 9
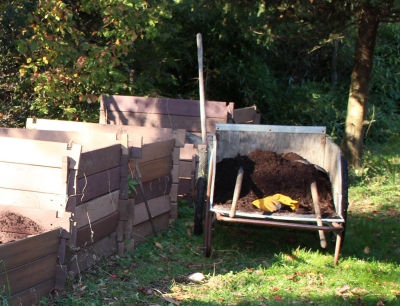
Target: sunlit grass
252 265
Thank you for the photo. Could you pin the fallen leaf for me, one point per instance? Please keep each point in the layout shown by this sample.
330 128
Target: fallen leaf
114 276
343 289
278 298
380 303
158 245
366 250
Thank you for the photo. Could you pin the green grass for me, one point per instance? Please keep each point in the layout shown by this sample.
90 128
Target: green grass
253 265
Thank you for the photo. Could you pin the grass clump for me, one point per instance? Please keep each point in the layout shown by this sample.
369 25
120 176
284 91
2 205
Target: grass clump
253 265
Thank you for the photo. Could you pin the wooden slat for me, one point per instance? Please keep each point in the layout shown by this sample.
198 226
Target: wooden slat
161 106
154 188
99 160
174 192
154 169
45 218
100 228
245 115
175 173
190 124
157 206
144 229
187 152
33 295
156 150
184 187
41 153
27 276
149 134
19 252
84 259
32 199
96 209
90 141
98 184
185 169
30 178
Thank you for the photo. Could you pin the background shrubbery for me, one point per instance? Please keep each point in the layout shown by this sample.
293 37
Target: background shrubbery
57 57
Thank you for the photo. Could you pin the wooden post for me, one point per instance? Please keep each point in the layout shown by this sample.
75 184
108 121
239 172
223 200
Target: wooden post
314 194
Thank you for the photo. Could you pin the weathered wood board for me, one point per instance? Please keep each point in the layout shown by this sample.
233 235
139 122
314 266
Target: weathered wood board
149 134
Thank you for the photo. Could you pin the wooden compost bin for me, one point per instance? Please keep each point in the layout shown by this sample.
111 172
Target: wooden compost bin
97 194
176 114
34 180
155 153
309 142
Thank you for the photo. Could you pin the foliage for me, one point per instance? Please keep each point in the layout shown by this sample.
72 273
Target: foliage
132 183
14 92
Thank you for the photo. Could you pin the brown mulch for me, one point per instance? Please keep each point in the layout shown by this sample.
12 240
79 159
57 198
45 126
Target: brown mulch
14 226
267 173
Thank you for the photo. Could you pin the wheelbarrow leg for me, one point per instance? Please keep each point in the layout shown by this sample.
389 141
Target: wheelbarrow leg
208 233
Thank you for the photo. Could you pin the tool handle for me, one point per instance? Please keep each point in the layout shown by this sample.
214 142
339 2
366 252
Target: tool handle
314 194
236 193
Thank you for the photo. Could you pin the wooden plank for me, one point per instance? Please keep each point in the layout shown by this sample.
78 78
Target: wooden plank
41 153
30 199
27 276
149 134
161 106
88 140
97 185
187 152
174 192
184 187
157 206
175 173
144 229
156 150
19 252
33 295
99 160
100 229
85 258
176 155
190 124
154 188
45 218
96 209
30 178
244 115
174 211
185 169
126 209
154 169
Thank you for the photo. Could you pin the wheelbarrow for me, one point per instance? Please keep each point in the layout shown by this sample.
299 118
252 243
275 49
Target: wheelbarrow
312 144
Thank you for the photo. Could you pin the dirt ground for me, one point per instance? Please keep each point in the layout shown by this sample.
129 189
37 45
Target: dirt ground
15 226
267 173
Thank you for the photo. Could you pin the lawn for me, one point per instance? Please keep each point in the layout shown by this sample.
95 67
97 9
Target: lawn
253 265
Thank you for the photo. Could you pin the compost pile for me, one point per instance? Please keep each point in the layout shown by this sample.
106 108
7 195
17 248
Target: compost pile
15 226
267 173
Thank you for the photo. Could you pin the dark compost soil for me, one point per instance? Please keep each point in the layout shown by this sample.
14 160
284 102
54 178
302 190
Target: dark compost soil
267 173
14 226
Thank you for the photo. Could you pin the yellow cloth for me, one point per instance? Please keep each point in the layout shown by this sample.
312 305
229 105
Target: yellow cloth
270 203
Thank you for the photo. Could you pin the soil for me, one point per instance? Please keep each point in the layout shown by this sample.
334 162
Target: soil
267 173
14 226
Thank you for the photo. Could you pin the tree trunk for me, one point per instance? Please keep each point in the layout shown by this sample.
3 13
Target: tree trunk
352 143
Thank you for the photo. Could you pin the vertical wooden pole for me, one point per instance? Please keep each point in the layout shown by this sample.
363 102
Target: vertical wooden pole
201 89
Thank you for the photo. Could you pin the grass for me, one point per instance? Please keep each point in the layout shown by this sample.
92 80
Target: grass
253 265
